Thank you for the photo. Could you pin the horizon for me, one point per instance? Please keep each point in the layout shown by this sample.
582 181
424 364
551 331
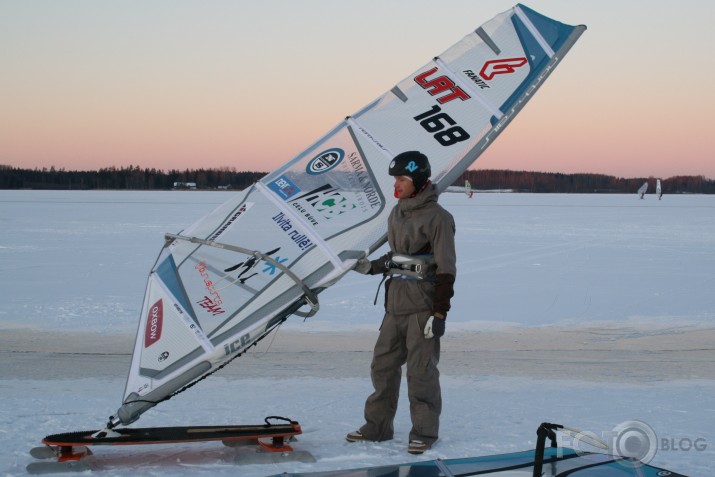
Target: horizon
177 85
234 169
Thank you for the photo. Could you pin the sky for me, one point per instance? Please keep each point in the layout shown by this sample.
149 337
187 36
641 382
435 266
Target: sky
174 84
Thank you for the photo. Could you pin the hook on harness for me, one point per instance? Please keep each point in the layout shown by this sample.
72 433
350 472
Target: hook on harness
408 267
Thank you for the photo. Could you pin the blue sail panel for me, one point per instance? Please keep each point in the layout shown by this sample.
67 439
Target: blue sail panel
558 461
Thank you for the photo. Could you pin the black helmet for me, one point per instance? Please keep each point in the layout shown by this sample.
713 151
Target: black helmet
413 164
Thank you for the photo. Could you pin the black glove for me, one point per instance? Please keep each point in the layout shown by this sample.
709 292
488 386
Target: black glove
435 326
380 265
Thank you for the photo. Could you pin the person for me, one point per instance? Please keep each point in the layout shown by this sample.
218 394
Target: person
421 266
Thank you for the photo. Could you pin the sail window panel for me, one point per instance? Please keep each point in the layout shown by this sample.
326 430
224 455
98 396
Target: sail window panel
252 319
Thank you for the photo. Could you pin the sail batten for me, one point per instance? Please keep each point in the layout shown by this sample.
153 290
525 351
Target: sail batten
532 29
229 279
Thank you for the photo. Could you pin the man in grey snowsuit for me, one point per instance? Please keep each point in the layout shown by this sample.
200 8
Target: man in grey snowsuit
422 268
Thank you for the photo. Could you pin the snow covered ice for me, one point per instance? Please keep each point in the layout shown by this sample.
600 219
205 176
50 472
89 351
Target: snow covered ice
585 310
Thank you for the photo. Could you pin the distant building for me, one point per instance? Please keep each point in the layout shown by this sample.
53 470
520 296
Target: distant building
184 185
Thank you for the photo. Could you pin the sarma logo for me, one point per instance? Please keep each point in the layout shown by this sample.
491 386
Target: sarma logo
325 161
501 67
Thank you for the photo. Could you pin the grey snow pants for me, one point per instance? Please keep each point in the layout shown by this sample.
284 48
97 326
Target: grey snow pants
401 341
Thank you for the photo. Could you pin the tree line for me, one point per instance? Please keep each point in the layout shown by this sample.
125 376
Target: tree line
126 178
525 181
137 178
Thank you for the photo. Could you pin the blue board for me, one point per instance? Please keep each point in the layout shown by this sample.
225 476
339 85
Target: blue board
557 462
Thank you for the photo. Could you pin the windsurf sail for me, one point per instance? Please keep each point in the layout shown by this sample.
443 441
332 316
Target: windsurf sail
658 189
222 284
643 189
468 189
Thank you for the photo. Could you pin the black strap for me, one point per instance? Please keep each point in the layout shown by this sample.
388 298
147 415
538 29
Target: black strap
384 277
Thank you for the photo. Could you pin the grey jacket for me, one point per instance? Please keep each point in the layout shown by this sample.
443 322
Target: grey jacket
418 226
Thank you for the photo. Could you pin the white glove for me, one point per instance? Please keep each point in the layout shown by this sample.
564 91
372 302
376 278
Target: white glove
363 266
434 327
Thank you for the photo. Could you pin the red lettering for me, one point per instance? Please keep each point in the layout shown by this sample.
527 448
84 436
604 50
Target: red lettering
439 85
210 306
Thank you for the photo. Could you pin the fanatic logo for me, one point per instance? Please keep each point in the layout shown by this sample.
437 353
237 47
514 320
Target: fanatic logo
501 67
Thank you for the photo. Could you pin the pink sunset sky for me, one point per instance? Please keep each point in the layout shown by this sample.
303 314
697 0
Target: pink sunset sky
175 84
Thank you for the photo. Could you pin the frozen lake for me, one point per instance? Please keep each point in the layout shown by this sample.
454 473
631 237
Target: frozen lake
80 259
586 310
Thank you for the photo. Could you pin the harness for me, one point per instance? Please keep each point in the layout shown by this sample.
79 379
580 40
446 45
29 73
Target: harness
416 267
408 267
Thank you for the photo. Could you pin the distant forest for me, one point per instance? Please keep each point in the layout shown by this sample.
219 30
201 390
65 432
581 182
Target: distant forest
136 178
126 178
523 181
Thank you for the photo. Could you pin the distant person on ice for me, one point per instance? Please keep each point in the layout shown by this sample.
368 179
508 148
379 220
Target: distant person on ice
421 265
